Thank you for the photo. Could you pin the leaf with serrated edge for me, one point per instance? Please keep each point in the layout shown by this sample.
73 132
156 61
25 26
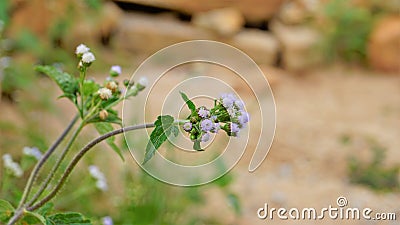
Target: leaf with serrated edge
67 83
164 126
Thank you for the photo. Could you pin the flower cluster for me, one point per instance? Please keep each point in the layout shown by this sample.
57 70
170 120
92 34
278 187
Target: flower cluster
228 114
12 166
101 182
107 94
32 152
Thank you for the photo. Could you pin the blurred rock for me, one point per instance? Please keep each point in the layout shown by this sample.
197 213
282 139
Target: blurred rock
261 46
253 10
91 31
226 21
35 16
384 45
299 46
148 33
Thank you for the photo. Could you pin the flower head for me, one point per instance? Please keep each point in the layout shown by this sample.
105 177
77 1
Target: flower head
234 128
104 93
115 71
88 57
112 85
205 137
101 182
107 220
187 126
32 151
203 112
142 83
206 125
12 166
81 49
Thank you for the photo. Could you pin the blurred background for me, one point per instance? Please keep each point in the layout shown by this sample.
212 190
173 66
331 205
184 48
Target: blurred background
333 65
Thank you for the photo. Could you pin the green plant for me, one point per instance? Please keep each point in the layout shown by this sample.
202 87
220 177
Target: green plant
95 104
346 29
374 174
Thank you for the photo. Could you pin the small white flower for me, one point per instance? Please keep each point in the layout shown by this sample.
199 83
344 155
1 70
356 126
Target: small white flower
104 93
102 185
101 182
143 81
115 70
107 220
81 49
12 166
34 152
88 57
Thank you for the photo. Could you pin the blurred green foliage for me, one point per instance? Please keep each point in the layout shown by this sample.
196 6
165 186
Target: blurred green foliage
374 174
346 29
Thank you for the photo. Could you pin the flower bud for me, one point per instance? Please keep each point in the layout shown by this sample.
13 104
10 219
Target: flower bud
103 114
104 93
113 86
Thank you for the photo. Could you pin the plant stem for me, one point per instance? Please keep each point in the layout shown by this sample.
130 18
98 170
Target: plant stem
57 165
78 156
39 165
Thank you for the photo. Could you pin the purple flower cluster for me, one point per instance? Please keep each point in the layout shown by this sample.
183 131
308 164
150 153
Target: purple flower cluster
228 114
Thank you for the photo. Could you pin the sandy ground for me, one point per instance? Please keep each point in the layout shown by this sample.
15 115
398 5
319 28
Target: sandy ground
307 164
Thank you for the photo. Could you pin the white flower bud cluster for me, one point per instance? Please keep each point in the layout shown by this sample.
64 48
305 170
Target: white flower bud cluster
12 166
101 182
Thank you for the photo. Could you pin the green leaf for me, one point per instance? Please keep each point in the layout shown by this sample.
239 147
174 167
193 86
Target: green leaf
6 210
67 83
46 209
103 128
234 201
67 218
190 104
164 127
90 87
36 216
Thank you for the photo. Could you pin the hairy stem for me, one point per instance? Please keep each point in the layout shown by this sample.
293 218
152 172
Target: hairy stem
39 165
78 156
56 166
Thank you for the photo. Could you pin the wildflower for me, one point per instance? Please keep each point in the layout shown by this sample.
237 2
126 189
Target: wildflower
107 220
206 125
101 182
243 118
104 93
216 128
81 49
115 71
34 152
203 112
234 128
133 91
239 104
103 114
142 83
205 137
14 167
88 57
187 126
113 86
